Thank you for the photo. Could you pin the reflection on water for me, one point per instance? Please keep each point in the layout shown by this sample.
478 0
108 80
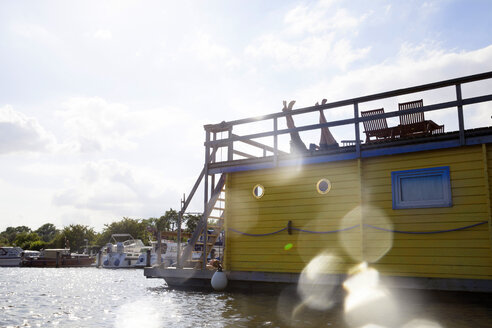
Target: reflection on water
90 297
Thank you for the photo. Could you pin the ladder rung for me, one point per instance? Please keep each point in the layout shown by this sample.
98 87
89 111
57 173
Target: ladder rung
219 208
211 226
216 217
221 199
201 243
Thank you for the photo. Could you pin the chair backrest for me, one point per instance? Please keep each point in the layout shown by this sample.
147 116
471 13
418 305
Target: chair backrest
377 124
406 119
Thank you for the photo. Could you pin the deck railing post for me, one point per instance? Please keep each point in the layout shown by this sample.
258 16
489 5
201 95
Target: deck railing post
230 146
213 160
275 141
357 131
205 196
461 122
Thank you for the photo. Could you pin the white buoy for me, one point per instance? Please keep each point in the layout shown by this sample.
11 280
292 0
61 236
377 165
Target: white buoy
219 280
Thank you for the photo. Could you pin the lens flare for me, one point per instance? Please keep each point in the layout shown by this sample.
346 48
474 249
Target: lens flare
365 243
317 283
138 313
368 301
288 246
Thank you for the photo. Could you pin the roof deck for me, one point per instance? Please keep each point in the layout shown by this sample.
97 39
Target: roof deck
444 101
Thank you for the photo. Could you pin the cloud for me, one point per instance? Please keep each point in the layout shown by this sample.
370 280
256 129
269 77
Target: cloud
312 36
318 18
33 32
312 52
20 133
103 34
93 124
202 47
117 188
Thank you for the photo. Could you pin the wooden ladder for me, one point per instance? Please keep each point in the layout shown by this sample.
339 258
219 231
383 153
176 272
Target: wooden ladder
213 220
215 226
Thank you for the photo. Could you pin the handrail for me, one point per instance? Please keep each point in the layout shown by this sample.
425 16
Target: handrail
466 101
195 186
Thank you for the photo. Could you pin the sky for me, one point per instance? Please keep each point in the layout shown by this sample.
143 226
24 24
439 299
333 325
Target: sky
102 103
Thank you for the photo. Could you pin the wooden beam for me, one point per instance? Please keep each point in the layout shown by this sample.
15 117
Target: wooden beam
240 153
260 145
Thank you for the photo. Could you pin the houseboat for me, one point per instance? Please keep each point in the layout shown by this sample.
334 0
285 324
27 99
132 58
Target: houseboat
407 194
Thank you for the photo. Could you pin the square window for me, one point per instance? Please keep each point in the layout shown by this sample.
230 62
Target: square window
421 188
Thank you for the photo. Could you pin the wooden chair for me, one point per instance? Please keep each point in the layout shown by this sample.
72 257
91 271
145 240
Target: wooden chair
415 123
378 127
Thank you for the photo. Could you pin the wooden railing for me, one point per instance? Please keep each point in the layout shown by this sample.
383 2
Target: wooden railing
458 103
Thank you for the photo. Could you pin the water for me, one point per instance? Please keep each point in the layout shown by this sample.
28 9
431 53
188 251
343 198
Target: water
90 297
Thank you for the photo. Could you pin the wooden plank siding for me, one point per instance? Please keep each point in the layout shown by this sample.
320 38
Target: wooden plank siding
290 194
361 194
487 154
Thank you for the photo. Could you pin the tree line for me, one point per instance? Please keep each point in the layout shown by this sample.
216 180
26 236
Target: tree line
78 236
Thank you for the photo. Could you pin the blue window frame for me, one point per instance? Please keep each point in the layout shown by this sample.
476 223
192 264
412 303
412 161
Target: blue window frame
421 188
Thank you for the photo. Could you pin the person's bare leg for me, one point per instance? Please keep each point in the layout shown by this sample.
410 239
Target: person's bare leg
326 137
295 139
288 118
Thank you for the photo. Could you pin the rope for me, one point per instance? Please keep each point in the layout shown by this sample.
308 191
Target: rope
355 226
425 232
332 231
257 234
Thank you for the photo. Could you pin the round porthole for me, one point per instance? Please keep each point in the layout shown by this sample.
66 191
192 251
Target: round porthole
323 186
258 191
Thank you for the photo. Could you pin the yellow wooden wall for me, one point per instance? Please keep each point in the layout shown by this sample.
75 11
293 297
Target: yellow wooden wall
459 254
290 194
487 150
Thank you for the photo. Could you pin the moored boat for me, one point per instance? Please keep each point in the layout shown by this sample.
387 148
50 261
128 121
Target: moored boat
120 254
10 256
58 258
168 253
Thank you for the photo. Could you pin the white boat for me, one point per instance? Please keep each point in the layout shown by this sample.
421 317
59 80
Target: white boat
10 256
169 254
121 254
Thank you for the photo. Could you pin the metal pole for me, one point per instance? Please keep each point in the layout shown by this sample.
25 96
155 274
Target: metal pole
180 220
159 245
461 122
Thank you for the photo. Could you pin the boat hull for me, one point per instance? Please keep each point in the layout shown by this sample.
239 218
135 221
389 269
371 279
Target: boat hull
10 262
62 262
